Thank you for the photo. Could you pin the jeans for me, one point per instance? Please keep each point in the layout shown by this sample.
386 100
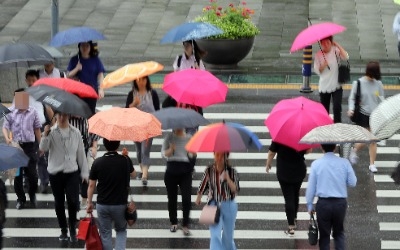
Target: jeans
337 103
143 151
30 149
291 192
66 184
226 225
331 213
184 181
107 214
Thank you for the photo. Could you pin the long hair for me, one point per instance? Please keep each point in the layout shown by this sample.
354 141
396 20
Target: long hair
148 84
92 52
197 52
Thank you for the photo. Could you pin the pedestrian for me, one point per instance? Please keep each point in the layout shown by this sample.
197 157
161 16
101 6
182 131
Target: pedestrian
111 174
22 126
87 67
222 182
50 71
326 66
290 170
67 161
145 98
371 94
178 174
396 29
328 180
190 58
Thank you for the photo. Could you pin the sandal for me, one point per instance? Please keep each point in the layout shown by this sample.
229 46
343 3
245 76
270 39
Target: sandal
144 182
290 231
173 228
186 231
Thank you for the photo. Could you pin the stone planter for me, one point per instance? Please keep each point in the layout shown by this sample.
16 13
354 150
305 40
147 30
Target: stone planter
225 53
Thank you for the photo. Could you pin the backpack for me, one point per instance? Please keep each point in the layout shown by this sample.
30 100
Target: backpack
178 63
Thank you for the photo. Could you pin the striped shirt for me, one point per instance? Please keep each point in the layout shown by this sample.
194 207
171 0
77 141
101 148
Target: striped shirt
218 190
22 124
180 153
83 126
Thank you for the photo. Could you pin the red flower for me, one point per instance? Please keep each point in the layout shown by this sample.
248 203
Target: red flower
231 5
244 3
218 13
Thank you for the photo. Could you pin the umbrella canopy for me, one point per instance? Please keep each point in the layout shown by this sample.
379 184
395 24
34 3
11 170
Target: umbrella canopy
315 33
190 31
23 55
291 119
12 157
69 85
223 137
338 133
195 87
60 100
385 119
55 53
76 35
124 124
130 72
3 110
172 118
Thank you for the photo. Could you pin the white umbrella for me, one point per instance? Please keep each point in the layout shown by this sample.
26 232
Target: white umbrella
338 133
385 119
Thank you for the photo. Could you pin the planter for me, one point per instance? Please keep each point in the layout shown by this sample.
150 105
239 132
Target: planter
225 53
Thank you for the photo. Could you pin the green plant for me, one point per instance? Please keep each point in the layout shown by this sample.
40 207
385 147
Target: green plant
234 20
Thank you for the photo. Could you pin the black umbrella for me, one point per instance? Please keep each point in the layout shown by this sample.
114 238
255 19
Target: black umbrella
172 118
12 157
4 110
60 100
23 55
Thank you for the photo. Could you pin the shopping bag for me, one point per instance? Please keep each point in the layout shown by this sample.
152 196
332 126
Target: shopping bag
312 231
209 215
83 228
93 241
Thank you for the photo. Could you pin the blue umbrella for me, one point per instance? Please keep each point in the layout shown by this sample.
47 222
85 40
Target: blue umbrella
12 157
190 31
75 35
252 139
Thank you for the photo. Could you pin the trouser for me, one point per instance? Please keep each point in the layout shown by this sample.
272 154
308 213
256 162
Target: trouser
226 225
291 193
184 181
330 216
143 151
337 103
107 214
30 149
66 184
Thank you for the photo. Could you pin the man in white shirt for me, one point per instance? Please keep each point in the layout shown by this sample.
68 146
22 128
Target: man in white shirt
50 71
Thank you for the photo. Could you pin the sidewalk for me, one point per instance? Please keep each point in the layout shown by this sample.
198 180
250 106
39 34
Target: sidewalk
134 29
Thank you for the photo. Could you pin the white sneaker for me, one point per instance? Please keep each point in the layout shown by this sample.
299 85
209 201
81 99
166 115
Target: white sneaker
353 158
373 168
381 143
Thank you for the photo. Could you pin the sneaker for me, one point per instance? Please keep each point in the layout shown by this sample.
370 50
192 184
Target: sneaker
381 143
73 239
63 237
289 231
20 205
373 168
353 158
186 231
173 228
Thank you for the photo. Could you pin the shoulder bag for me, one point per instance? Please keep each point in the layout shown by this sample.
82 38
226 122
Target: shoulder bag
344 71
356 113
130 211
312 231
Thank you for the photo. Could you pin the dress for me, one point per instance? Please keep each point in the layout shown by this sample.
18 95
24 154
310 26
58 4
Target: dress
112 196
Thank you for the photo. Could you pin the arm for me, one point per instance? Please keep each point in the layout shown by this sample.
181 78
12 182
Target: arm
270 157
38 134
6 134
352 98
342 52
90 191
202 186
351 176
167 148
233 184
318 66
50 114
74 71
100 78
81 159
311 188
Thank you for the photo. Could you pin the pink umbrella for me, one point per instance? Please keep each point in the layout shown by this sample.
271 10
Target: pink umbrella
315 33
291 119
195 87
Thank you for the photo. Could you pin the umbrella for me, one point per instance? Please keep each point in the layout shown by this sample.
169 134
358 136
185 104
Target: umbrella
129 73
172 118
291 119
69 85
124 124
4 110
55 53
338 133
223 137
385 119
12 157
190 31
60 100
23 55
315 33
195 87
75 35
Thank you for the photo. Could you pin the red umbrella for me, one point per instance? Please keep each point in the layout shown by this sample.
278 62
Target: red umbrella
291 119
195 87
315 33
69 85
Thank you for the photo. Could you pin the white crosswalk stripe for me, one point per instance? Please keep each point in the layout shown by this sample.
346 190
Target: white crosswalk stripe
261 215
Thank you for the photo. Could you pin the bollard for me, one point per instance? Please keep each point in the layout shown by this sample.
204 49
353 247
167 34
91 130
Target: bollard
306 70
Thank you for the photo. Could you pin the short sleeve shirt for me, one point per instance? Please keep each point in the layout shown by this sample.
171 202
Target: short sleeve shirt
91 67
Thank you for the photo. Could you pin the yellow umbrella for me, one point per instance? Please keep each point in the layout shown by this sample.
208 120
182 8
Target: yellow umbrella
130 72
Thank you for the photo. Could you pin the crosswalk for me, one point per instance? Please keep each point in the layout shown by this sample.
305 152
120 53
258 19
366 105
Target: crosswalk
261 218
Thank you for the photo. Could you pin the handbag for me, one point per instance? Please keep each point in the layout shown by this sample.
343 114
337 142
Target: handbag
130 210
93 241
209 214
356 113
312 231
344 71
83 229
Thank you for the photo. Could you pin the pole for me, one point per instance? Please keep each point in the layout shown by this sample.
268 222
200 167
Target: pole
306 70
54 22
